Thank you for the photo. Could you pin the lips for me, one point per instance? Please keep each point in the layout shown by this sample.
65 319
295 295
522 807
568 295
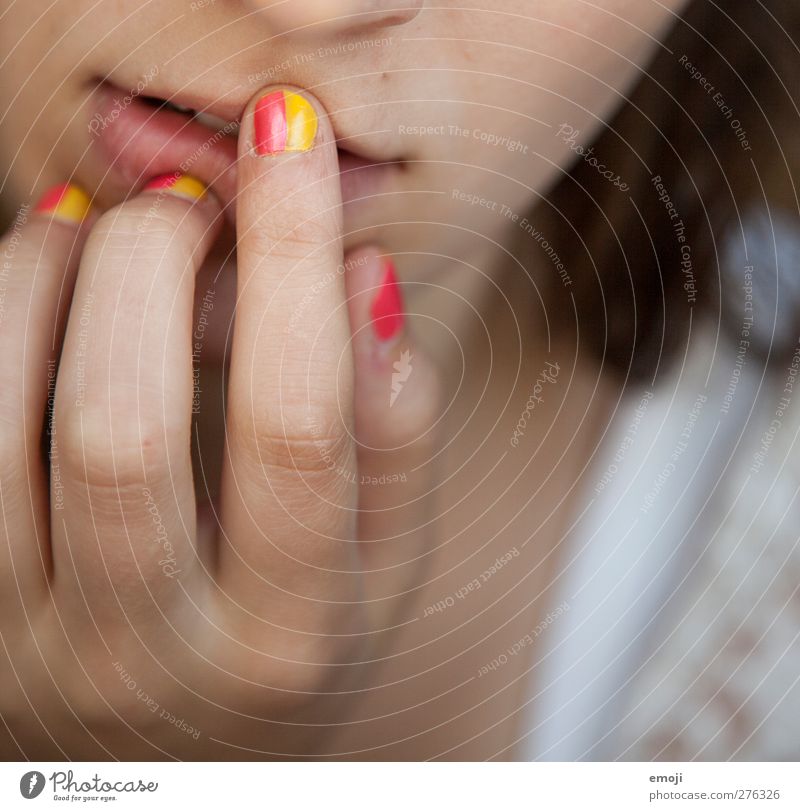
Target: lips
142 137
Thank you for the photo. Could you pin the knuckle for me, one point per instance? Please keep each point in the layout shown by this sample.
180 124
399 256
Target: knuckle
297 668
308 236
120 230
110 452
283 238
313 444
124 695
295 684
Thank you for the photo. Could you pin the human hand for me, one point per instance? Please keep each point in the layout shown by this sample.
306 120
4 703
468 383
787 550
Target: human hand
132 626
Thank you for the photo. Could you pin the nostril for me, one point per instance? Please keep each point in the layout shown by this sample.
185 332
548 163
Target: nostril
403 12
402 16
310 17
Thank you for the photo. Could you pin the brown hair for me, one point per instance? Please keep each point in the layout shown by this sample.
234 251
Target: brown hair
709 132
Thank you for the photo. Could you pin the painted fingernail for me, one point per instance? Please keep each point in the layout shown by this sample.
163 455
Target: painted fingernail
387 306
65 202
284 122
186 186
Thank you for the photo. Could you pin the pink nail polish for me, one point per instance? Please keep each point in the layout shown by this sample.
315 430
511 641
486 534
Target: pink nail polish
284 121
387 306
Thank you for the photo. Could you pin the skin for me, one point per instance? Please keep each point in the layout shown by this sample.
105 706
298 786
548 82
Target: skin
300 623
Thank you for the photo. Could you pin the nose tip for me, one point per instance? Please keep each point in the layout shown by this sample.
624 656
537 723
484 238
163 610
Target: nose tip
309 16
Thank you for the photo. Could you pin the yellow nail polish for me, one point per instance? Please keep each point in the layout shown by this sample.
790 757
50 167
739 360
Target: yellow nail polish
284 121
178 184
65 202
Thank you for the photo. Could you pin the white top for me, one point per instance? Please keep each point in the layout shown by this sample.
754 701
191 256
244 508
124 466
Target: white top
666 451
682 638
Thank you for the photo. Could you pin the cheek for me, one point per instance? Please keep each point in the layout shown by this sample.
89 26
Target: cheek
525 90
30 131
565 66
593 53
40 81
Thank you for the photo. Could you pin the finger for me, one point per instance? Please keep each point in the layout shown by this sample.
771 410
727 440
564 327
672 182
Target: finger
397 408
40 259
285 507
123 400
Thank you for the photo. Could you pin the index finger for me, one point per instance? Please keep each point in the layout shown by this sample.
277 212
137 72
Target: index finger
289 418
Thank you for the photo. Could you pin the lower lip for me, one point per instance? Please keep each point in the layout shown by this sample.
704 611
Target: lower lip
139 141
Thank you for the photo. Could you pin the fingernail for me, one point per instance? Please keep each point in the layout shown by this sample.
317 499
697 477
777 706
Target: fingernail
284 122
387 306
186 186
65 202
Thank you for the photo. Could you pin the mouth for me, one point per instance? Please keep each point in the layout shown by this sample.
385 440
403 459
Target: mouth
213 122
144 136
